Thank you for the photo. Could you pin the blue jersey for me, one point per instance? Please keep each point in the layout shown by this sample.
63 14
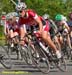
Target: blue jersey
69 23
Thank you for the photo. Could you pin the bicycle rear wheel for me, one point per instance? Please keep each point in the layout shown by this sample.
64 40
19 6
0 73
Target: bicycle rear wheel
61 64
5 59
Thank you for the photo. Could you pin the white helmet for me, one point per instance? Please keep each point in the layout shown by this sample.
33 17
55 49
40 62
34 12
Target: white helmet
64 18
11 15
45 16
21 6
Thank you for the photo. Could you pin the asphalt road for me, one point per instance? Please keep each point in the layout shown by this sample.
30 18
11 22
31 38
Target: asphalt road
19 67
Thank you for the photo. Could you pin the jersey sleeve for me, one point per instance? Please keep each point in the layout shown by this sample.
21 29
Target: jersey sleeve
33 14
65 23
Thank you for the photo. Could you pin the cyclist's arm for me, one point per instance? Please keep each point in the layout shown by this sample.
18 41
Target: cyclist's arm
39 23
6 28
66 25
54 25
37 19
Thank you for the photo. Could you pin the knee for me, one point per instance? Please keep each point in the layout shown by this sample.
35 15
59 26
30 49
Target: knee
22 31
61 39
46 37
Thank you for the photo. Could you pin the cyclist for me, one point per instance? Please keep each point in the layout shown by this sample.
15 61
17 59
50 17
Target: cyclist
70 21
11 27
63 27
70 25
51 23
53 29
29 17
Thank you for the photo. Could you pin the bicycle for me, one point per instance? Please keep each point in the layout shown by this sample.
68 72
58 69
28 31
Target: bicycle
48 53
38 56
21 51
59 63
5 58
66 49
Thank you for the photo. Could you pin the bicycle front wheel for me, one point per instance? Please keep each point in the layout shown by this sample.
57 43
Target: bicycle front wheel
41 60
62 64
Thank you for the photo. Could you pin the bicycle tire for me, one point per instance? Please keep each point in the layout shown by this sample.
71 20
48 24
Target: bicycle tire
5 59
41 55
25 54
62 65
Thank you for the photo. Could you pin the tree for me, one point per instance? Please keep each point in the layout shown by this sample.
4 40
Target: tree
6 6
52 7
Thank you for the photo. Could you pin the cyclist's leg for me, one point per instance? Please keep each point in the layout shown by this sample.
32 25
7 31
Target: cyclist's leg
11 33
22 30
46 37
71 37
68 38
60 39
16 40
57 41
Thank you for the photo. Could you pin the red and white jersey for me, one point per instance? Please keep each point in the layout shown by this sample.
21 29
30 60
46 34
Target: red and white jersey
30 20
14 26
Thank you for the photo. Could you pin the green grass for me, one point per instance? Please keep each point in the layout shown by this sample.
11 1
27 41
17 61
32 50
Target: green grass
2 37
2 40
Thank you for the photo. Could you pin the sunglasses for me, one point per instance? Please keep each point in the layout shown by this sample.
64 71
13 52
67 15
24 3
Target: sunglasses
20 11
10 19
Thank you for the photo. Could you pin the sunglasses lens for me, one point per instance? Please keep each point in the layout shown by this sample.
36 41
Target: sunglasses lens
10 19
20 11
